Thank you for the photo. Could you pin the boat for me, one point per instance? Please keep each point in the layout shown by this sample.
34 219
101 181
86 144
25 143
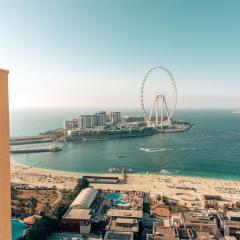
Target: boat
116 170
122 156
120 170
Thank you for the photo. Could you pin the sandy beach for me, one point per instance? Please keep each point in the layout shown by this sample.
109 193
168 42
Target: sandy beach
177 187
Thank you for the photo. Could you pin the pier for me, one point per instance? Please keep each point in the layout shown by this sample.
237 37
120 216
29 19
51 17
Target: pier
29 140
35 149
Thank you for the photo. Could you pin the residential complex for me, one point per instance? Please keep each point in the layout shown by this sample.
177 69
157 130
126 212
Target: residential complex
116 117
97 120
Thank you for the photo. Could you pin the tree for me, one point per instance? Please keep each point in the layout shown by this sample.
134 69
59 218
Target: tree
34 202
42 228
37 232
60 211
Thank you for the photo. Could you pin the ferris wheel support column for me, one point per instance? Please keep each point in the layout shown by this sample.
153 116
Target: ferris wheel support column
157 110
150 116
162 111
168 116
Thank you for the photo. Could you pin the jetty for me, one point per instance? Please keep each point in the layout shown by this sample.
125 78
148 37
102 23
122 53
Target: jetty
35 149
30 140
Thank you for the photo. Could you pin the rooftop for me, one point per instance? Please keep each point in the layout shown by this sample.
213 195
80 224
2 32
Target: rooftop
118 235
162 233
125 221
138 214
74 213
163 212
233 214
84 198
123 225
204 235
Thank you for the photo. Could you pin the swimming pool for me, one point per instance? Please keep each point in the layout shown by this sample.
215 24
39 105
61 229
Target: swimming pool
116 198
17 229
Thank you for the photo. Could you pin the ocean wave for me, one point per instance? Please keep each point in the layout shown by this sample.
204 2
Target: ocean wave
167 149
186 149
165 172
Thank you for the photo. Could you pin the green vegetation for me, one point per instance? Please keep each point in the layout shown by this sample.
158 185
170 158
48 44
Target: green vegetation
41 229
81 184
49 224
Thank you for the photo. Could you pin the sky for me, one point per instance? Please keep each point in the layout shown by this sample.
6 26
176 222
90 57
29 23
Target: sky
92 53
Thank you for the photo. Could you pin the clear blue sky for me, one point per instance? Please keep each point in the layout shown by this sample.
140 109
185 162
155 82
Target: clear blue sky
92 53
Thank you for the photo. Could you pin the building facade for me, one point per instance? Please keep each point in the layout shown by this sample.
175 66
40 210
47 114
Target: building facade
70 124
101 117
115 117
87 121
77 219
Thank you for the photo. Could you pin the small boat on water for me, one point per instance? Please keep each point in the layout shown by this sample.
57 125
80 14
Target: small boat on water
120 170
115 170
122 156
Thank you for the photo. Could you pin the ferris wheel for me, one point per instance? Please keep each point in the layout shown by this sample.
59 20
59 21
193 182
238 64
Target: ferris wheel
163 117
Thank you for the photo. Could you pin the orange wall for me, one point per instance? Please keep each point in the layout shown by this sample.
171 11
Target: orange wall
5 196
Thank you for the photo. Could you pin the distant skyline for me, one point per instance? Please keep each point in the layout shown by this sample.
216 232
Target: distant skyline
92 53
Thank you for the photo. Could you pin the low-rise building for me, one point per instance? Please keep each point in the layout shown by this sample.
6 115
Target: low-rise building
122 213
77 219
123 225
233 215
161 231
126 221
118 235
231 228
130 119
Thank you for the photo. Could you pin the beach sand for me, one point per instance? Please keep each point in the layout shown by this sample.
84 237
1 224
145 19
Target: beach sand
177 187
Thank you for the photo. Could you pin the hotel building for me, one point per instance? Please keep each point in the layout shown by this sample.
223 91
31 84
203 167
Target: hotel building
101 118
115 117
87 121
71 124
78 217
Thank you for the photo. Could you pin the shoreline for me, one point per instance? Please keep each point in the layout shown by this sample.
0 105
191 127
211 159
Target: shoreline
128 173
171 186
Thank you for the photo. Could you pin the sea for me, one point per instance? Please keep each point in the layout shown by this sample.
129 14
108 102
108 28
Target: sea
211 148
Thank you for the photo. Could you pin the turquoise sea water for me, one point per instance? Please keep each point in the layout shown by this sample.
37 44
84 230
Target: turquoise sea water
17 229
210 149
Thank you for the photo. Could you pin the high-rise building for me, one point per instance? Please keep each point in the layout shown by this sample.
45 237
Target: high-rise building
101 118
71 124
87 121
115 117
108 118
